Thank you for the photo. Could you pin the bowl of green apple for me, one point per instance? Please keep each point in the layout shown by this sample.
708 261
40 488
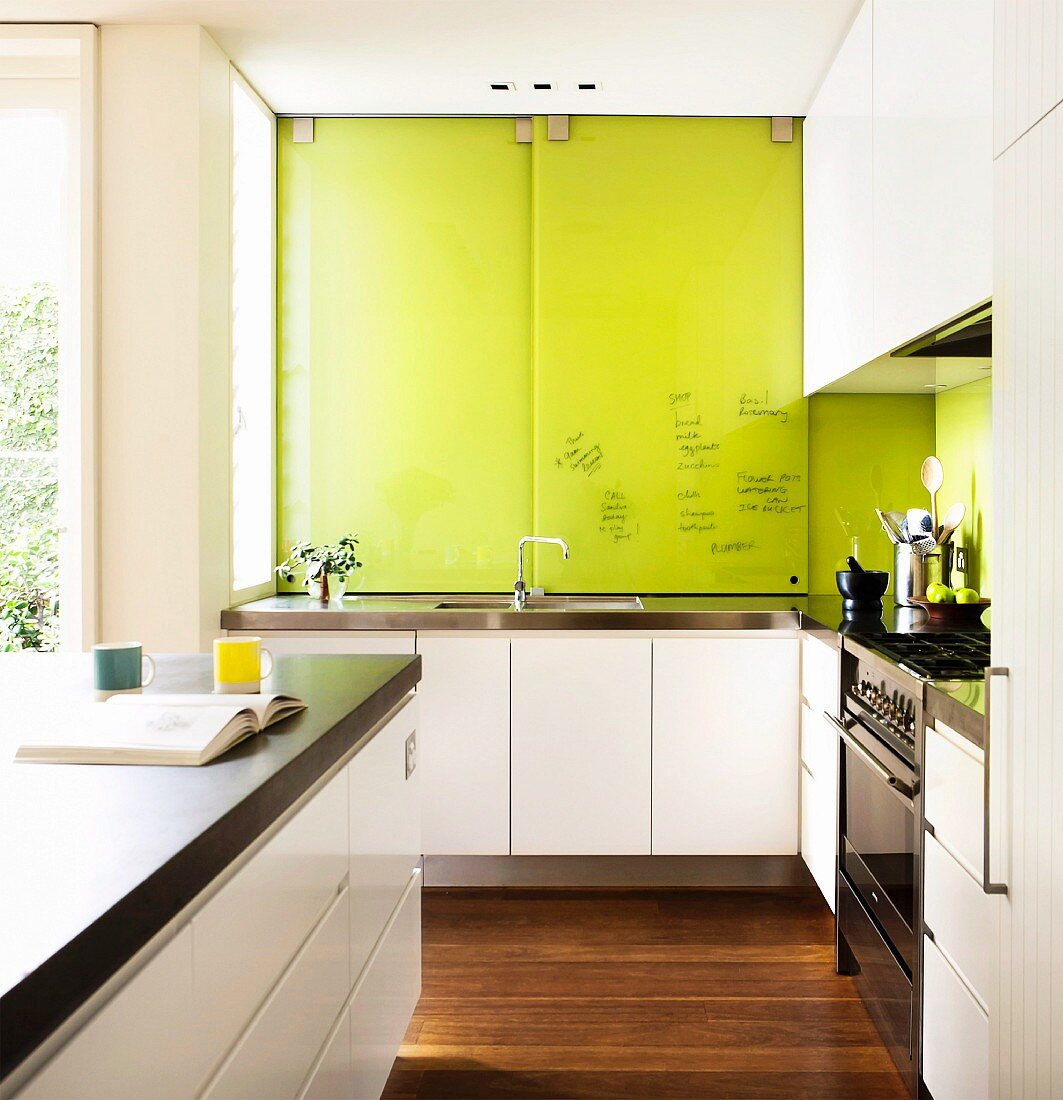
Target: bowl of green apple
954 608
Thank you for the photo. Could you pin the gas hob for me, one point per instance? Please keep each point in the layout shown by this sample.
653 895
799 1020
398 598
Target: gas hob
944 656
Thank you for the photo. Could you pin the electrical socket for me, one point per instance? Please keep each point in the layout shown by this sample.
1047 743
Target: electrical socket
960 559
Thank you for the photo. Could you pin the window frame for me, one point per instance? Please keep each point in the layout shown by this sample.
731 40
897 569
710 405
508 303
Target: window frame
79 366
267 587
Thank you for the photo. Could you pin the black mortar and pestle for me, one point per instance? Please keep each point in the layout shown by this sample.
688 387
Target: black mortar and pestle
861 588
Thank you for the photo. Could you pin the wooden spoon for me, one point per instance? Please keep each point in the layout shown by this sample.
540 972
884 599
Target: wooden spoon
932 476
953 518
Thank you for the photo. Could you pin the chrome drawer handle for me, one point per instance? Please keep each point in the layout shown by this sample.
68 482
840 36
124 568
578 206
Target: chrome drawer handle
895 784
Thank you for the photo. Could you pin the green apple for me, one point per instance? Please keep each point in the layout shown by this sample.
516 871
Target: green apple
967 595
940 593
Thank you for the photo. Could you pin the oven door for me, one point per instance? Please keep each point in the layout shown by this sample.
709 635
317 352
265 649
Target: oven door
878 835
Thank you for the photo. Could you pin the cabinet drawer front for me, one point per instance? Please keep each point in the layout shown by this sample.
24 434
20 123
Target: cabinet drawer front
820 675
960 915
383 1004
385 830
248 933
274 1055
332 1078
819 746
953 793
955 1033
819 832
141 1044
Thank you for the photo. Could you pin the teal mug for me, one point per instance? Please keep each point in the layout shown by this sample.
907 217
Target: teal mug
120 667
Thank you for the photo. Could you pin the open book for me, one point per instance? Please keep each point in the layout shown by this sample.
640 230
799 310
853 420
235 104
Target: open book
150 729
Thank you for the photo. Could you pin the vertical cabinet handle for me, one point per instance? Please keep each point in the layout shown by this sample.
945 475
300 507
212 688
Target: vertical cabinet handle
988 832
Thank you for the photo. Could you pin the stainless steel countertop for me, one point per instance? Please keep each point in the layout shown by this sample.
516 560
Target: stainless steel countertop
299 612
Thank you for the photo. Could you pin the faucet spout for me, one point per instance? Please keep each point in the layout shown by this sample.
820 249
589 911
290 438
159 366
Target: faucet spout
520 593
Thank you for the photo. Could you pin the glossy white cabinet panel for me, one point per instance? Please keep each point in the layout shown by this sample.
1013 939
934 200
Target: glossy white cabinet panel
933 158
274 1055
1029 66
334 641
464 744
955 1033
961 916
141 1044
385 836
251 929
954 794
331 1079
725 746
819 801
820 675
580 722
384 1002
838 230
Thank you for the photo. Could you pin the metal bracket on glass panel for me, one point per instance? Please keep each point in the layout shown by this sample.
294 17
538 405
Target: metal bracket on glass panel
988 885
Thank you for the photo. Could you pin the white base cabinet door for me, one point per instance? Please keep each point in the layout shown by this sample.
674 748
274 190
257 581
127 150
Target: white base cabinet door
581 746
725 746
955 1033
464 744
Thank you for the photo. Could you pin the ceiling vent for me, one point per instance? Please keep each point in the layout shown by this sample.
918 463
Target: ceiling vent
503 86
543 87
588 86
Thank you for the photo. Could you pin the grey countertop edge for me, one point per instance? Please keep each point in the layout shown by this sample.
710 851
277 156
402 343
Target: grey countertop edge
46 996
956 714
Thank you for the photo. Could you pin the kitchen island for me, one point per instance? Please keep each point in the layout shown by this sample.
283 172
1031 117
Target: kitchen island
106 868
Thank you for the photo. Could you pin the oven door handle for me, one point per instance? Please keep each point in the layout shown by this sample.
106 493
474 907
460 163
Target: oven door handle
901 789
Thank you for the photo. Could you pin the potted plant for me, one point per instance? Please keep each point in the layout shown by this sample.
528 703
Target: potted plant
336 560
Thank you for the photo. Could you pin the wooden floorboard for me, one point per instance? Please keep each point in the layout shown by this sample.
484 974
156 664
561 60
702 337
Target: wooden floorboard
598 993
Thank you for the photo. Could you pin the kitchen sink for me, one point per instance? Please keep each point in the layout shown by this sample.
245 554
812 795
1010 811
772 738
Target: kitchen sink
544 603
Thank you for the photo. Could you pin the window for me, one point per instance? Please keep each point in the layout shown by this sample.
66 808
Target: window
47 350
252 351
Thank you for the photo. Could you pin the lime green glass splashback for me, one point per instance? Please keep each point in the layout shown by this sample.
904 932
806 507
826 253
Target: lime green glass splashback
670 429
404 346
598 338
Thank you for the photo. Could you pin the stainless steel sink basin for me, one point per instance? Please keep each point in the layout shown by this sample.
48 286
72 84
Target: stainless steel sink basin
544 603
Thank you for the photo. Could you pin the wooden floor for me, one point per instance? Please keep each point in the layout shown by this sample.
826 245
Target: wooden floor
710 993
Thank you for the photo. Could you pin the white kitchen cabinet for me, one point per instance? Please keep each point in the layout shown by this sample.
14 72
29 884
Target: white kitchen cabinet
954 794
819 801
838 230
331 1077
146 1034
725 746
933 163
1029 60
333 641
955 1033
250 930
580 728
820 675
277 1050
385 828
464 743
384 1001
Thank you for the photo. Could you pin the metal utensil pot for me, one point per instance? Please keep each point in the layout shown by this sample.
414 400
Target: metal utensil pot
912 572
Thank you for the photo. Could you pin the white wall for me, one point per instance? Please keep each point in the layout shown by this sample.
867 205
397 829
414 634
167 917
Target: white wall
164 339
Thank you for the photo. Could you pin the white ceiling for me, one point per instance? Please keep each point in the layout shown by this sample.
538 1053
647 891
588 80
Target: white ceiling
711 57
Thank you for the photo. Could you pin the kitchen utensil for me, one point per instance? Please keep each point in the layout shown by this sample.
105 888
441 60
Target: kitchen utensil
918 524
953 518
932 477
925 545
862 590
912 572
854 565
893 535
955 616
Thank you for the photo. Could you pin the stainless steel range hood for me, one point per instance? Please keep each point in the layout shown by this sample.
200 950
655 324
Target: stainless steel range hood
969 336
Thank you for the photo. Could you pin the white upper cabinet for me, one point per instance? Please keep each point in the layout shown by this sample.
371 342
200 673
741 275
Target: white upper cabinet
898 149
837 209
933 163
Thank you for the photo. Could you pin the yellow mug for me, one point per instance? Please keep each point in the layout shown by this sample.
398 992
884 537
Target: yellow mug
238 665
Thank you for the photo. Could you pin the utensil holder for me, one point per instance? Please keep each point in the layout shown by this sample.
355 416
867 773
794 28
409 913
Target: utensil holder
912 572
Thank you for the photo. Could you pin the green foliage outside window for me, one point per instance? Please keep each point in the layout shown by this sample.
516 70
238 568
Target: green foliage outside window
29 421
